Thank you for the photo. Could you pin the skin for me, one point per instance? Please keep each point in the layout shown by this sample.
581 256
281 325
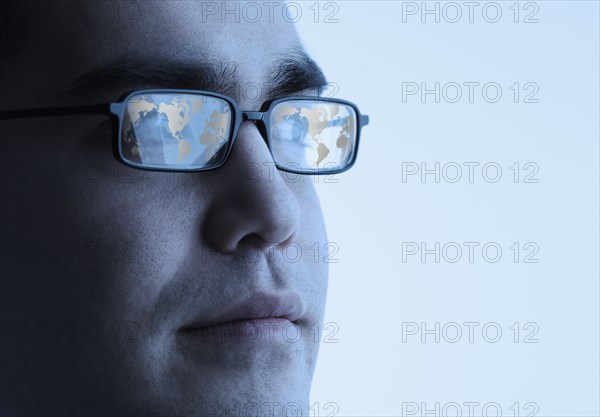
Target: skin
98 323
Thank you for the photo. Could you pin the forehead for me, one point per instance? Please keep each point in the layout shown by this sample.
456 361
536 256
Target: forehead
185 30
72 38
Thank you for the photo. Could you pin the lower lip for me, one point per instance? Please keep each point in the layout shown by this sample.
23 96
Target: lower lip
265 330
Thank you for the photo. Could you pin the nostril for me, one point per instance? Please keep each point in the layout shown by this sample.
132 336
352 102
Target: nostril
253 241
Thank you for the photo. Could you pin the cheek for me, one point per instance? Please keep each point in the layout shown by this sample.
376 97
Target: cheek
80 223
152 222
312 222
317 251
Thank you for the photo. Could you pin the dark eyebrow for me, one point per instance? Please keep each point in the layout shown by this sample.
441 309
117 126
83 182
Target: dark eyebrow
124 76
295 72
291 73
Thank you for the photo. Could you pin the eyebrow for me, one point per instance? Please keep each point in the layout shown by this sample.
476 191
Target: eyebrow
291 73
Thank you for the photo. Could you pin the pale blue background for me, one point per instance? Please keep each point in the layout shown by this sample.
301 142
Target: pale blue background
370 211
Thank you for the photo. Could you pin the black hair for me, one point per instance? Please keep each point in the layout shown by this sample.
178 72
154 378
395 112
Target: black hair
15 29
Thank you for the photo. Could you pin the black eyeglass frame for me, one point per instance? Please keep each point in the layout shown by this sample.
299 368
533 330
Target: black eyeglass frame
116 110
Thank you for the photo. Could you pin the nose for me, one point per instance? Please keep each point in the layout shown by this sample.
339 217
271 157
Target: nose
251 203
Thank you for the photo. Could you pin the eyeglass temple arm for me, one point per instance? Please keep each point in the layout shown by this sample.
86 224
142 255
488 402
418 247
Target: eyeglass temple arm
60 111
107 109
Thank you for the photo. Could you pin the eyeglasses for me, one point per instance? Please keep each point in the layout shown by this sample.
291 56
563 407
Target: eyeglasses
189 130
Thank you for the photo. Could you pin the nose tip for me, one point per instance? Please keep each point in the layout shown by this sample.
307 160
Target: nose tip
253 219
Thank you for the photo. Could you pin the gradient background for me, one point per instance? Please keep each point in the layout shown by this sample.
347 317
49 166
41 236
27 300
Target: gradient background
370 211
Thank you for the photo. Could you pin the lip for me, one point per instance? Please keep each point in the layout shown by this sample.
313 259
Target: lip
287 307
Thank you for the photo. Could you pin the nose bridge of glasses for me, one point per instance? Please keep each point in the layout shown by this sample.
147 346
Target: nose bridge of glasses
258 118
252 115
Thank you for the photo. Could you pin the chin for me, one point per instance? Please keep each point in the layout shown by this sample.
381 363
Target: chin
216 397
226 381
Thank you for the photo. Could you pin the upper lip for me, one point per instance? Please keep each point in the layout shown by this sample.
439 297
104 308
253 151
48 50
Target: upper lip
260 305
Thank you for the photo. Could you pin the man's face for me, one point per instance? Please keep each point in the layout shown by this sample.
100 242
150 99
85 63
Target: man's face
109 273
